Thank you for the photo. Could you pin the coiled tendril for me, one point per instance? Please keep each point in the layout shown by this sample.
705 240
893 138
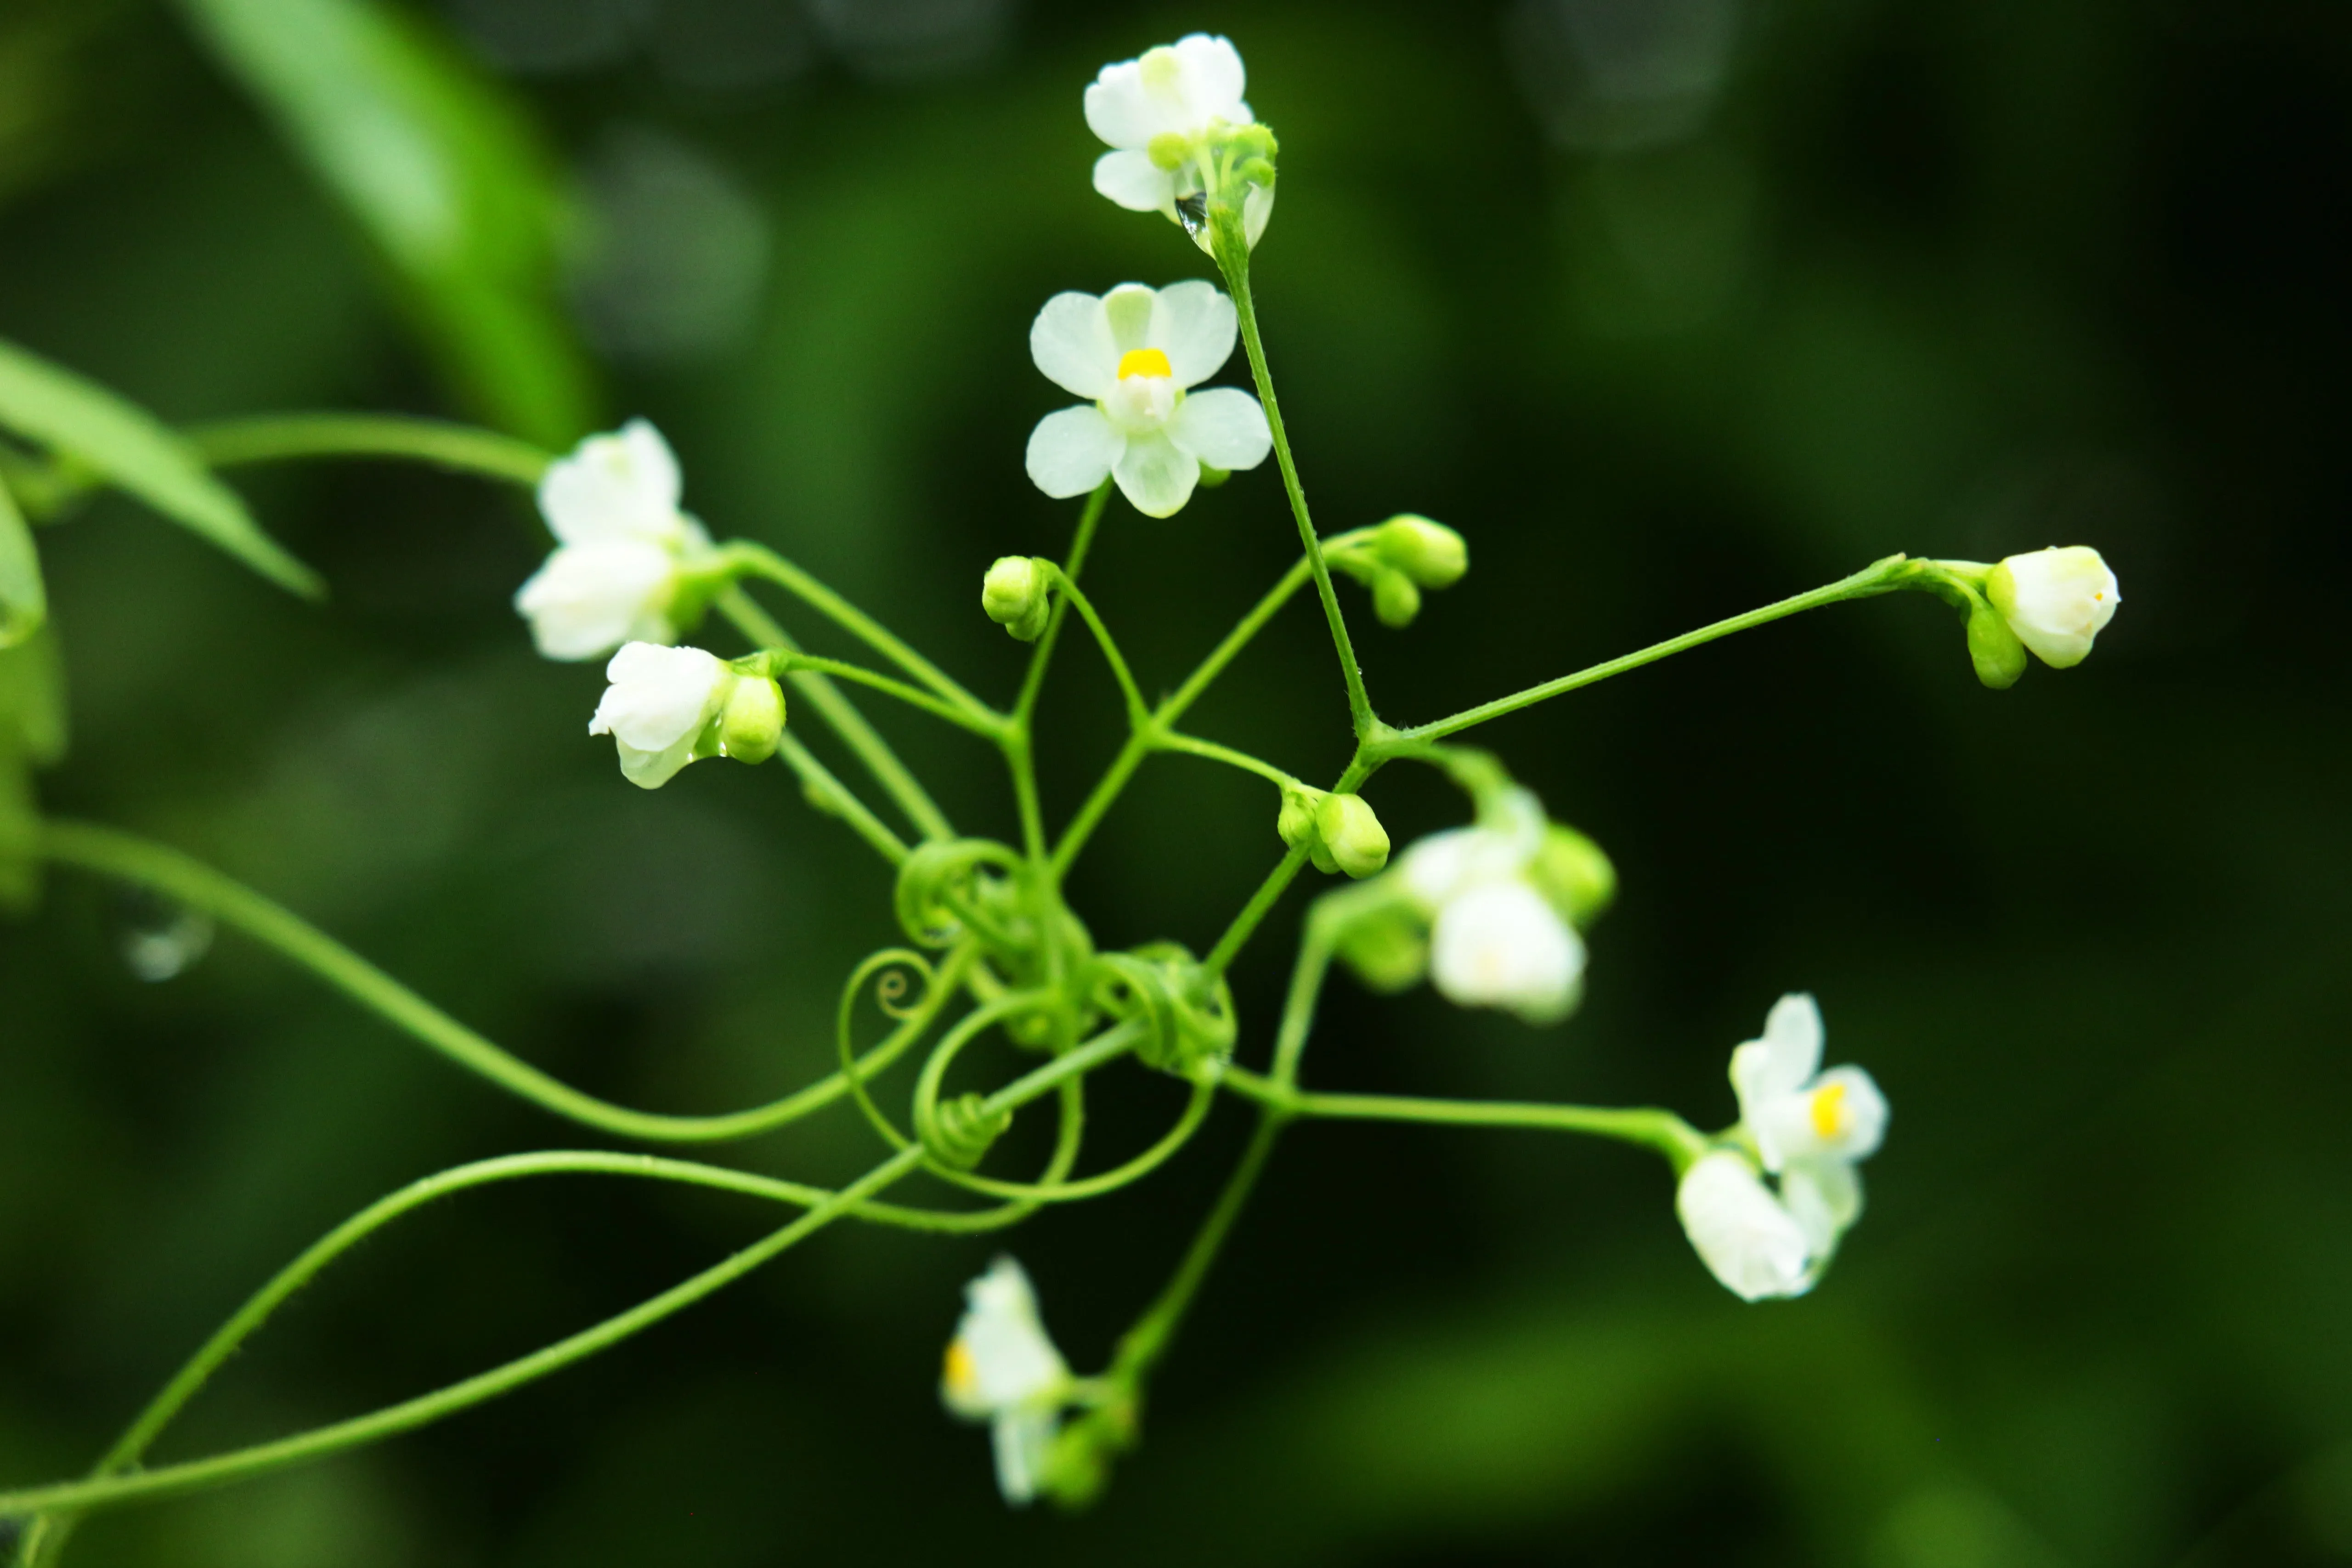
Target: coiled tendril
1190 1012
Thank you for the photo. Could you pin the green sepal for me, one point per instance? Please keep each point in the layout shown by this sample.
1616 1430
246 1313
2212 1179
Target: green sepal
1993 648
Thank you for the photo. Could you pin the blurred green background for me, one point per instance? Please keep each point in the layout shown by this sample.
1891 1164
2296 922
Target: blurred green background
1672 306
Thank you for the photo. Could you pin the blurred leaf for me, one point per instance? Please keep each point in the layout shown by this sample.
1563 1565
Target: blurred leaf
444 173
24 602
50 405
32 734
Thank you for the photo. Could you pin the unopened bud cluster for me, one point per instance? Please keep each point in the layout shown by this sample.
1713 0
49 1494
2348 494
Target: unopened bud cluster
1401 558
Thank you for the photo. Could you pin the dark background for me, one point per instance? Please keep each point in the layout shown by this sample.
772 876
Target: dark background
1672 306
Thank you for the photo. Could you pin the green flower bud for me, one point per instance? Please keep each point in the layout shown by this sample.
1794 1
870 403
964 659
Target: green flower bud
1018 596
1998 656
751 725
1387 948
1572 873
1212 476
1431 554
1395 599
1352 835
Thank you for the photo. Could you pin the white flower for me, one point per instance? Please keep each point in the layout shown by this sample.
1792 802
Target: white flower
1811 1127
1162 114
1742 1233
1494 940
2056 601
1002 1369
1135 352
621 539
658 706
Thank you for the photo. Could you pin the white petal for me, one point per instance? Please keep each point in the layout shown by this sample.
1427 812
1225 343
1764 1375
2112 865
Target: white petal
1785 1057
1212 78
1740 1231
1501 944
1825 1198
621 486
587 599
2056 601
1130 307
1257 210
1223 426
1022 1440
1071 342
1194 325
1156 479
1001 1357
651 770
659 696
1072 451
1136 183
1118 110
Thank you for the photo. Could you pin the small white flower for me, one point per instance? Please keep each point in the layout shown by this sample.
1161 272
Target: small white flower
1810 1127
1160 113
613 506
1002 1369
1742 1233
1494 940
2056 601
1135 352
658 706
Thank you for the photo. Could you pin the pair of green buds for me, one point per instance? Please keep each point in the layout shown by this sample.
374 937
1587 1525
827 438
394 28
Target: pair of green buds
1400 558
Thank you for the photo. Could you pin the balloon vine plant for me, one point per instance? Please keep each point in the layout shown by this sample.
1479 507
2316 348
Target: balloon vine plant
1490 913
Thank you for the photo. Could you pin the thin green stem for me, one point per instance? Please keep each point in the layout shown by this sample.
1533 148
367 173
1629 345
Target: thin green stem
991 727
1193 746
760 561
1646 1126
828 794
1139 712
171 1479
1034 684
1140 1348
1879 577
198 885
1233 257
272 438
1306 977
833 705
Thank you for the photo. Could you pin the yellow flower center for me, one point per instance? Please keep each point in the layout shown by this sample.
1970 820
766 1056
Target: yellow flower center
961 1374
1829 1111
1143 361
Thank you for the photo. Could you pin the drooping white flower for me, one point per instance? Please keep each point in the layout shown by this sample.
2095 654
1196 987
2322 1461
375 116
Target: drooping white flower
1743 1234
2057 601
1810 1128
1002 1368
1162 114
658 706
1135 352
613 506
1495 941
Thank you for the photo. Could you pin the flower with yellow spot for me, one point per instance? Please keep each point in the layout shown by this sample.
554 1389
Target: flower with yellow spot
1167 115
1002 1368
1138 352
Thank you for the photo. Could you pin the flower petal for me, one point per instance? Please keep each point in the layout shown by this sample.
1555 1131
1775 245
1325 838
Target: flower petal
1212 79
1825 1198
1072 451
1156 479
1130 307
1117 109
1788 1053
587 599
659 696
1136 183
1501 944
620 486
1194 325
1022 1440
1223 426
1071 342
1740 1231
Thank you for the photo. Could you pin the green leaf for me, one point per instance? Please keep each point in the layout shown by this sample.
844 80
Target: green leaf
51 405
24 602
447 176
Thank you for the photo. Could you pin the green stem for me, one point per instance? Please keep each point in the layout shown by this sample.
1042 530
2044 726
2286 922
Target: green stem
1650 1128
1196 1111
1139 712
1193 746
991 727
1233 257
169 1479
1034 684
271 438
828 794
762 630
198 885
1140 1348
1879 577
760 561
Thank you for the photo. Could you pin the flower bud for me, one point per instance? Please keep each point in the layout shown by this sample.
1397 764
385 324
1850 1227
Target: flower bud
1351 834
1994 650
1572 873
1387 948
2055 600
1431 554
1017 594
1395 599
1295 825
751 725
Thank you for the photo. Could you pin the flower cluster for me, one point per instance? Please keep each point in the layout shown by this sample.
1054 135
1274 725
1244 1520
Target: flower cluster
666 707
1003 1368
1169 117
1807 1128
622 547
